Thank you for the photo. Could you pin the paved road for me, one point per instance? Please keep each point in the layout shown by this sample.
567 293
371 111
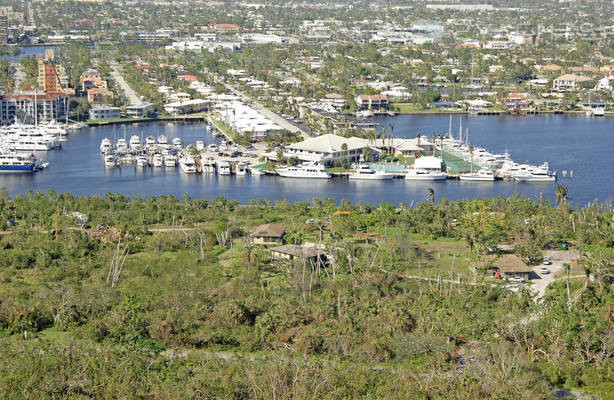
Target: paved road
130 94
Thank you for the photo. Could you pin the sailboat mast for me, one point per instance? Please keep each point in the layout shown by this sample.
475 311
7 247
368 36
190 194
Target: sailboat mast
460 131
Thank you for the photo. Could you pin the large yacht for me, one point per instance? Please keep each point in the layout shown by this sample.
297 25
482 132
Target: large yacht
135 143
305 170
105 145
187 164
158 160
425 175
535 174
223 168
365 173
17 163
122 145
170 160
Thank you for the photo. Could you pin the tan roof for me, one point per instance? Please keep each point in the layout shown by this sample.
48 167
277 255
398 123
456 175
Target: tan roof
270 230
511 263
572 77
551 67
296 250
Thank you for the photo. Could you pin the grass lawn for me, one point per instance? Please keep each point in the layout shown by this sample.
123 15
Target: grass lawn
114 120
266 166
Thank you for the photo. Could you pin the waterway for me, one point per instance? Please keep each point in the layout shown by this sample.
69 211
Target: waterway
29 50
567 142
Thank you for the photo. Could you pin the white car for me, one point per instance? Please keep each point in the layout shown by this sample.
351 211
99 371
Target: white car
547 261
544 270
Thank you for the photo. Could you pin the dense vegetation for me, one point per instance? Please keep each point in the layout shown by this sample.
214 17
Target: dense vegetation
190 314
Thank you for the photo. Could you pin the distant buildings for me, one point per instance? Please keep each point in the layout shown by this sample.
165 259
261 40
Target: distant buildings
140 110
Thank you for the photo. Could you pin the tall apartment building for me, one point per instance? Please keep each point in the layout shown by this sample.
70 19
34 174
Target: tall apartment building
51 75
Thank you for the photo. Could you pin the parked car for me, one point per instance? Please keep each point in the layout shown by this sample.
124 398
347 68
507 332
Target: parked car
544 270
547 261
516 279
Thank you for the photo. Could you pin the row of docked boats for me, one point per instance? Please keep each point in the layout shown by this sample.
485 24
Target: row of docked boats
137 145
28 138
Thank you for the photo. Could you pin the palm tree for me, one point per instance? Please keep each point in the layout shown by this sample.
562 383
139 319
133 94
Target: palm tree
418 136
344 148
431 195
390 141
561 194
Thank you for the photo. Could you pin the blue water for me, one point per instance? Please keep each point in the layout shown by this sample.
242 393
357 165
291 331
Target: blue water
566 142
28 50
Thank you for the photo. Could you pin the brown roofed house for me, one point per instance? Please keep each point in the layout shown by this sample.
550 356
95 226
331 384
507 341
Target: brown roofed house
291 252
268 234
510 266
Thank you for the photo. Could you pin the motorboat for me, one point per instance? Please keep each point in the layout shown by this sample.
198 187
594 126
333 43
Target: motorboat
177 143
142 161
257 171
187 164
213 148
158 160
200 145
170 161
110 160
106 145
305 170
122 145
241 169
425 175
363 172
535 174
135 143
17 163
162 141
23 143
480 176
223 168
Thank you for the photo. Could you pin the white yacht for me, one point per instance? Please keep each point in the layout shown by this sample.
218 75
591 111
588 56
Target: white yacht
150 143
425 175
305 170
365 173
105 145
200 145
535 174
213 148
223 168
208 164
158 160
122 145
24 143
480 176
17 163
162 141
177 143
241 169
187 164
141 160
110 160
135 143
170 161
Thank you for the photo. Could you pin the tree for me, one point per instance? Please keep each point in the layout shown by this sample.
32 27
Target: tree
431 195
561 194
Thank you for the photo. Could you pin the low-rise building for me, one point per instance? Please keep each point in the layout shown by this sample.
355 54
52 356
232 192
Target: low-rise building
48 107
292 252
372 102
140 110
327 149
104 112
97 95
268 234
511 266
187 107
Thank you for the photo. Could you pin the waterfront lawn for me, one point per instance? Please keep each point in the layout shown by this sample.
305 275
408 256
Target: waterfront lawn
115 120
266 166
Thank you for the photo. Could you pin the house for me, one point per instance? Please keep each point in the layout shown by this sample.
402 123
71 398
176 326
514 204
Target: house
186 107
97 95
292 252
569 82
268 234
140 110
91 79
104 112
335 100
372 102
511 266
517 101
326 149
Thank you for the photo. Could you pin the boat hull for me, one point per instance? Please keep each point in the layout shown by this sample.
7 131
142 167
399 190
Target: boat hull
426 177
291 175
373 177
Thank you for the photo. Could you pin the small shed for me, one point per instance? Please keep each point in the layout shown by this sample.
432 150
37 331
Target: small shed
511 266
291 252
269 234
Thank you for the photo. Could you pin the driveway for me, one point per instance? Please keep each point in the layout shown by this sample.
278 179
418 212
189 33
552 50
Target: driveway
558 258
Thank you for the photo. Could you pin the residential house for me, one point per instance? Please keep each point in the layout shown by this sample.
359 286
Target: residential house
268 234
100 111
99 95
511 266
569 83
327 149
140 110
293 252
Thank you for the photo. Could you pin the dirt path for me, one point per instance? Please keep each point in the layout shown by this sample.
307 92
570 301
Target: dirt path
558 258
